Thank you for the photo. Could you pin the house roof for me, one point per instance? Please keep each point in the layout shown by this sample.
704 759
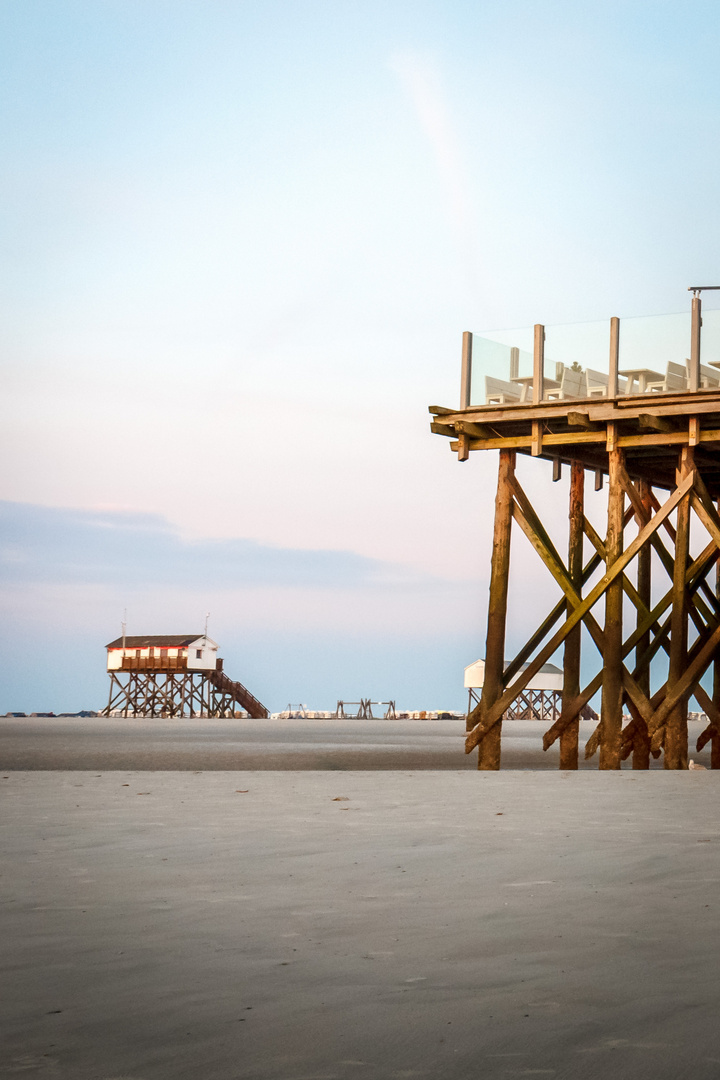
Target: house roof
546 669
172 641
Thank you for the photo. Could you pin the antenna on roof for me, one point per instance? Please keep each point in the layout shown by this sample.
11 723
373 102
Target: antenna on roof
206 622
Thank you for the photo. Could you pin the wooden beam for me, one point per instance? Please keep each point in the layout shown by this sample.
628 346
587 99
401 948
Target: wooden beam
715 747
491 717
655 423
641 739
476 431
582 420
676 728
612 687
489 752
443 429
440 410
571 656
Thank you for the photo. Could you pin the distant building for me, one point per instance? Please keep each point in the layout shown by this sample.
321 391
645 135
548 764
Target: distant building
173 675
541 699
162 652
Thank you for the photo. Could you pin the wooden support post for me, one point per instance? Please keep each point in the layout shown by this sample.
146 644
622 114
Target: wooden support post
489 749
641 739
612 390
676 729
466 370
612 681
694 365
715 744
571 661
538 363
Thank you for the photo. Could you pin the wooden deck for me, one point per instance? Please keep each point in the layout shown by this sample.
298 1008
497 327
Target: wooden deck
649 428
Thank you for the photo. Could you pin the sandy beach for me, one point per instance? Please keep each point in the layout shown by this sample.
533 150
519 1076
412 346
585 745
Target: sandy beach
342 924
97 743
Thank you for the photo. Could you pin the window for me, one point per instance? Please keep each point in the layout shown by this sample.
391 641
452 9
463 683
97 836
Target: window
198 654
151 652
163 652
137 654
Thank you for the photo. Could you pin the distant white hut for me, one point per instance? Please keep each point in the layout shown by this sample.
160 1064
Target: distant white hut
540 700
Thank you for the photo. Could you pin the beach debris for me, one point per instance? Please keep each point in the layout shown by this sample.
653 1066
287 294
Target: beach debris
341 798
693 765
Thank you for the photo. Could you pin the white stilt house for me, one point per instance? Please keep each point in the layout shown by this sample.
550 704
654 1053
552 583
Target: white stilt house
540 700
173 675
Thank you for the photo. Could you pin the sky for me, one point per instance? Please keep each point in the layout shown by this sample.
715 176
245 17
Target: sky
240 244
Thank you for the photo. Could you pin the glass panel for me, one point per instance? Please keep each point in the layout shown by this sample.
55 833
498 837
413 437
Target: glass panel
710 350
577 360
653 359
654 353
502 364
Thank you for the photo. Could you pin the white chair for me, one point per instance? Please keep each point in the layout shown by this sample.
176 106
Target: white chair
499 392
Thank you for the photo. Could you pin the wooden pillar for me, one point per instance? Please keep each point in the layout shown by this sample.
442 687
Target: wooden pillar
694 364
676 729
571 660
641 739
466 370
715 744
489 748
538 363
715 741
612 688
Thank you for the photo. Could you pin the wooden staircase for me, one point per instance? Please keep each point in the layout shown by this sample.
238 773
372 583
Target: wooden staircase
239 693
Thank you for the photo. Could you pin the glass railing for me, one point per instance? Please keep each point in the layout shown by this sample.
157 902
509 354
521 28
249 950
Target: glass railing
652 358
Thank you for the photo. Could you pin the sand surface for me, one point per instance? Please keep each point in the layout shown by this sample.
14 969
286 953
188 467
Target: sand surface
319 925
98 743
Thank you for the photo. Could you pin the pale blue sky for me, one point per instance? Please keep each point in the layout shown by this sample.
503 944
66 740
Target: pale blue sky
240 242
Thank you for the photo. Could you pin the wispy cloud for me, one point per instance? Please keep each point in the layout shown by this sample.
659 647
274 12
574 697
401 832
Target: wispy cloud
421 80
46 545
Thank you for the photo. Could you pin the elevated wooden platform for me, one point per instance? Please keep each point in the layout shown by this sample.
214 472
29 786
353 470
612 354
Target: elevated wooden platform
643 443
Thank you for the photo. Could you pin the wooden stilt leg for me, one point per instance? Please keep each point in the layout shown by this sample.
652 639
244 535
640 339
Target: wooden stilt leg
641 739
676 729
715 744
612 688
489 748
571 662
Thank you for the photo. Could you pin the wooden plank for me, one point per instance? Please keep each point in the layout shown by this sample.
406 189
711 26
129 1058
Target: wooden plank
441 410
612 686
489 753
694 430
443 429
491 717
571 655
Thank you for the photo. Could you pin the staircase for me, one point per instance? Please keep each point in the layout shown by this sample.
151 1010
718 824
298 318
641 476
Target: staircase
239 693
